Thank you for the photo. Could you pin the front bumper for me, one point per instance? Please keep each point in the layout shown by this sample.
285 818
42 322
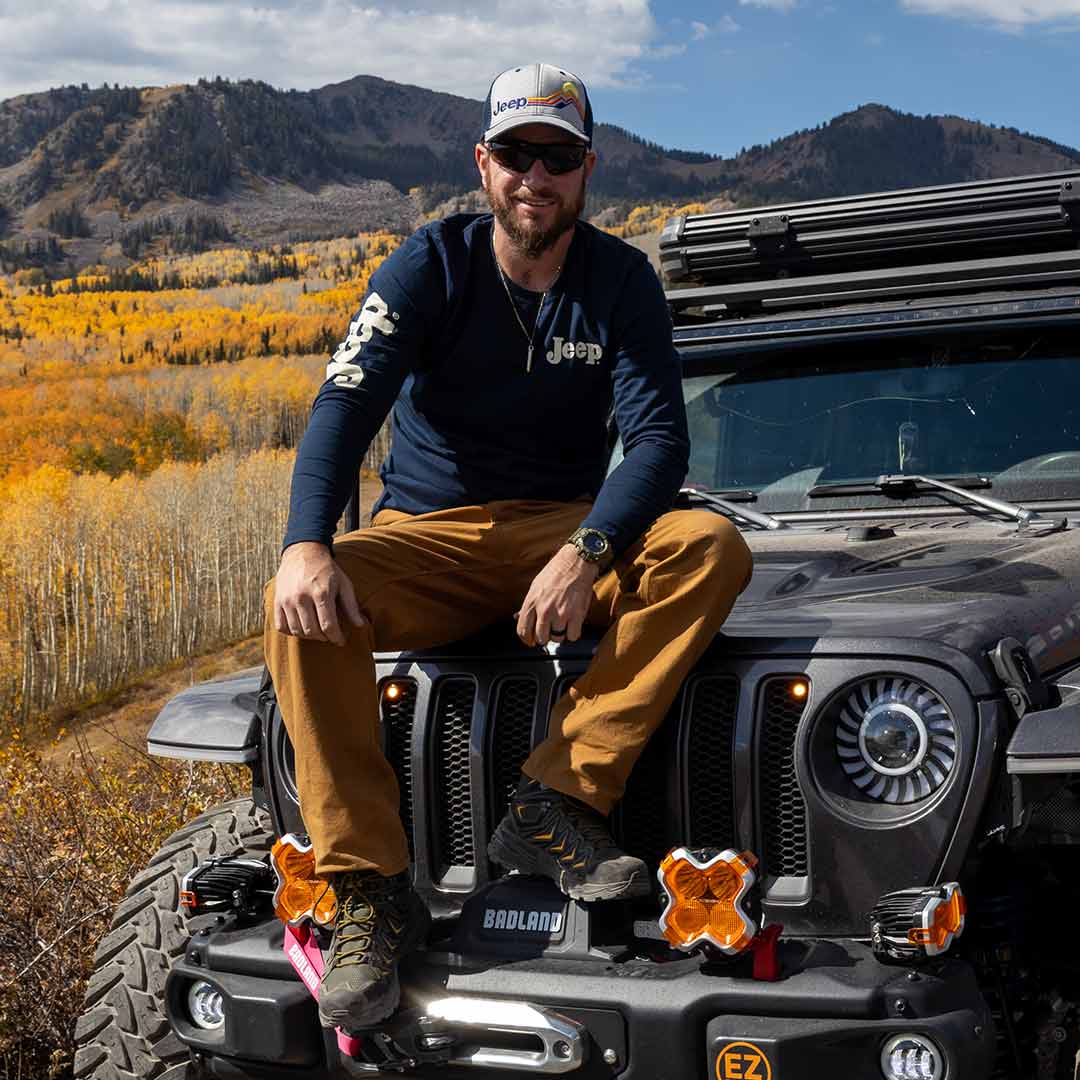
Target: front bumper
829 1015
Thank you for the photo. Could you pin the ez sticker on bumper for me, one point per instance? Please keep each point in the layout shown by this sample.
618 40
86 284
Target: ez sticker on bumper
743 1061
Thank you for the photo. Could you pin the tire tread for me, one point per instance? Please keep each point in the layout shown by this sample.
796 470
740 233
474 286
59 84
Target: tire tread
123 1033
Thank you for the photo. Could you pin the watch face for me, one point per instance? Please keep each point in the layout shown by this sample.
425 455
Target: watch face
595 544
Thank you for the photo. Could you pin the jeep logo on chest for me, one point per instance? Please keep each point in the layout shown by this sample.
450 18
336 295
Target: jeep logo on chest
561 350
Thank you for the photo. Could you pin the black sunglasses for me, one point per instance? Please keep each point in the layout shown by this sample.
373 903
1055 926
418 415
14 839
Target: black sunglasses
558 158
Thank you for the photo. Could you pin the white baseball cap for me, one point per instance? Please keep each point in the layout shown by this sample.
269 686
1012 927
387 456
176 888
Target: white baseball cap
538 94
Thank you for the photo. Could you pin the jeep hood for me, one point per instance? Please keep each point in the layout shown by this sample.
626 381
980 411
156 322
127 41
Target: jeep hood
964 584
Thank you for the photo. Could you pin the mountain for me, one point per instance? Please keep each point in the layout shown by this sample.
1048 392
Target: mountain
246 161
875 148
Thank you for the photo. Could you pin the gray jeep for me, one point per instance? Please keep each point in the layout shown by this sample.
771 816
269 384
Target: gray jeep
881 751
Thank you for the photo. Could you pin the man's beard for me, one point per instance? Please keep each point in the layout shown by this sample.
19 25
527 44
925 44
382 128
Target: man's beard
533 240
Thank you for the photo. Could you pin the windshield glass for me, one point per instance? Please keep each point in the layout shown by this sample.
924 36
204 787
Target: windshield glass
780 424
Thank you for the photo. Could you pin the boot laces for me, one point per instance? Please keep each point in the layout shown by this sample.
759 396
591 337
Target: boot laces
372 913
581 832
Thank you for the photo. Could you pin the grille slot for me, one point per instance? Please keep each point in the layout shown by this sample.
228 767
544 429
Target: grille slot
453 791
710 779
783 809
511 738
398 716
647 817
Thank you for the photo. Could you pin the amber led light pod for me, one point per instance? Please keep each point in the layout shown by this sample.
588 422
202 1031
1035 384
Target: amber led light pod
300 894
919 923
942 920
706 894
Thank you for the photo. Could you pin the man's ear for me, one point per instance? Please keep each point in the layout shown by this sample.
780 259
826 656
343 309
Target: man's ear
481 155
590 163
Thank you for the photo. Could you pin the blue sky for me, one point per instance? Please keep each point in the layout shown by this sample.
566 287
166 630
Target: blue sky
750 73
711 75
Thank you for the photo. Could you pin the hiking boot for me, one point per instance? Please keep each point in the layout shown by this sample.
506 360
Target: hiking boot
548 833
379 920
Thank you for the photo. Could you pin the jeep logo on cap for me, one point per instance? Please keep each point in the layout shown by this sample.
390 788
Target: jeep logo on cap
513 103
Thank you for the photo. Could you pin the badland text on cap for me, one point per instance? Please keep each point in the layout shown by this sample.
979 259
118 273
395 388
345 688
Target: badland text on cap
538 94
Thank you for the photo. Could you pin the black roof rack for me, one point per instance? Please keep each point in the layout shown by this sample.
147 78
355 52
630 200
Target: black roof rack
937 279
985 234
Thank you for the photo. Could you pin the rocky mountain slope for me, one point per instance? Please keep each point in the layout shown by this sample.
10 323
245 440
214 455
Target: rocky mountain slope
367 153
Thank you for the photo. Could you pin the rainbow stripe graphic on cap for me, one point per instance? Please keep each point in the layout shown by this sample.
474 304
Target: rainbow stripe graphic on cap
566 95
538 94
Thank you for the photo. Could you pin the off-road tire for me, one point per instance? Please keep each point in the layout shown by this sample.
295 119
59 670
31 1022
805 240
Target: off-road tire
123 1033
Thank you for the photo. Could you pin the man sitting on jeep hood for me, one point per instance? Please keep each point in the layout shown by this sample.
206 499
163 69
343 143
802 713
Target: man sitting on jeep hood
502 341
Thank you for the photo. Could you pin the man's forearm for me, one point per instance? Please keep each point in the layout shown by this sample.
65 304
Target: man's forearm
638 491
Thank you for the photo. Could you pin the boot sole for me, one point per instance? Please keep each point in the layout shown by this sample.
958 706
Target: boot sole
509 850
368 1012
374 1010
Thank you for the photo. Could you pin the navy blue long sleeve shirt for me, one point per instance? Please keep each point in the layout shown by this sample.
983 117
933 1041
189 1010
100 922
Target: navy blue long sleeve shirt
437 340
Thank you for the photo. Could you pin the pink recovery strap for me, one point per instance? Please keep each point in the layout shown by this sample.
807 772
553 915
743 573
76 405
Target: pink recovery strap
306 958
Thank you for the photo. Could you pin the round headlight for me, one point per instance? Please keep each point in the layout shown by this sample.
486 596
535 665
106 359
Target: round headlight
912 1057
895 739
206 1006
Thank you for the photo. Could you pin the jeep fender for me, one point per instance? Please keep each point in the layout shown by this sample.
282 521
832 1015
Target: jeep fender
213 721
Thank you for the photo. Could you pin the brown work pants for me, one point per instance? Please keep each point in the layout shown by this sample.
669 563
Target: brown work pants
433 578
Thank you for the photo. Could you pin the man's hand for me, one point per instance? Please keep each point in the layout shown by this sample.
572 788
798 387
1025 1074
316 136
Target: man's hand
308 590
557 599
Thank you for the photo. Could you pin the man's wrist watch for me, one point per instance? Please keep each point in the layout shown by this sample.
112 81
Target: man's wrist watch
592 546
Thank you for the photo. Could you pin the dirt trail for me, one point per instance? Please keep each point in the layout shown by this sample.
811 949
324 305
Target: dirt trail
120 724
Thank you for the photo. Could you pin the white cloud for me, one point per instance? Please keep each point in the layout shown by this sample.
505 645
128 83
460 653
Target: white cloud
776 5
724 25
1006 14
442 44
664 52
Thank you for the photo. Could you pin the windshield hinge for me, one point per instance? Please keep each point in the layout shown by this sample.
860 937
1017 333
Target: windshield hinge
1024 686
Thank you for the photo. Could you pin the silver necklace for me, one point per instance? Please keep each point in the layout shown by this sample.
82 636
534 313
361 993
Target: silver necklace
513 307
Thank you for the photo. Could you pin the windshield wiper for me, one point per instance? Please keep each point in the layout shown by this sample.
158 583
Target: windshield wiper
904 486
872 487
730 509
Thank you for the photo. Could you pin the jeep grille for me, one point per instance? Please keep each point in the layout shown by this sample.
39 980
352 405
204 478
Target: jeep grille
682 789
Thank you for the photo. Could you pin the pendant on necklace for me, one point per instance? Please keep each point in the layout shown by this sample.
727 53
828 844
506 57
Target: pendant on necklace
528 360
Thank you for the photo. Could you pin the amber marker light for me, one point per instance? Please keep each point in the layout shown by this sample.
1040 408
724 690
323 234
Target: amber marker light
799 690
942 920
392 691
300 894
705 896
